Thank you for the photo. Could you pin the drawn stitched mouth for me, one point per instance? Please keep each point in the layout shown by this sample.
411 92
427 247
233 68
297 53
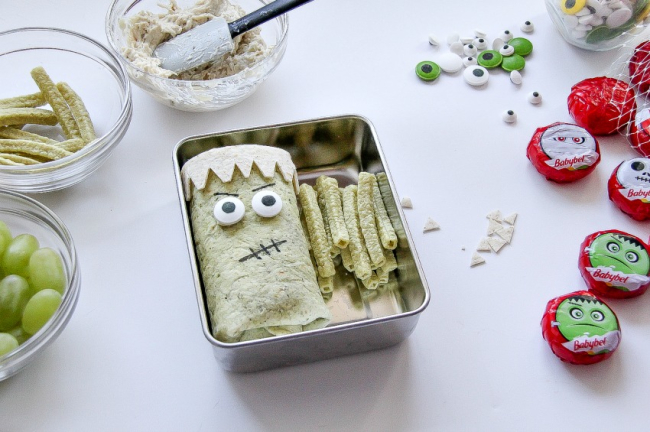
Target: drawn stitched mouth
645 179
264 250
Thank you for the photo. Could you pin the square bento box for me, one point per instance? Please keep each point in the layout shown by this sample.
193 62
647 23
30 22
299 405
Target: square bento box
362 319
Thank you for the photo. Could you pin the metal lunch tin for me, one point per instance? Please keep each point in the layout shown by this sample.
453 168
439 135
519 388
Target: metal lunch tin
362 319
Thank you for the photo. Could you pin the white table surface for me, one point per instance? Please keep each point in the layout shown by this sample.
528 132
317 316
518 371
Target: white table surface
133 356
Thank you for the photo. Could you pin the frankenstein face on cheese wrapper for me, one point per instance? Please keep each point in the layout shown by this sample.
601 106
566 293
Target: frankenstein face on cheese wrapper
257 274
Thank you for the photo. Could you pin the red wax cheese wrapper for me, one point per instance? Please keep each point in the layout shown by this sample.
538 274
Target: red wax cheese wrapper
615 264
580 328
629 188
639 67
563 152
601 105
638 134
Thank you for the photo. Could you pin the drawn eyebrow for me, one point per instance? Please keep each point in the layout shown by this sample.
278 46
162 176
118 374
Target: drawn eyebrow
262 187
225 193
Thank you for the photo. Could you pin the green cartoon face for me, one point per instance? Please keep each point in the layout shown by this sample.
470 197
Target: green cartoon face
584 316
619 252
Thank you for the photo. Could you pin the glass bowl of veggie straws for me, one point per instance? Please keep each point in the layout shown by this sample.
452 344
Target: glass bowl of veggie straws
65 103
37 253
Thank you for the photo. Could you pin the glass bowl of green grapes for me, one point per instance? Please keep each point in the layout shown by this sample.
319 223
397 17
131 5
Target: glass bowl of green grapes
39 280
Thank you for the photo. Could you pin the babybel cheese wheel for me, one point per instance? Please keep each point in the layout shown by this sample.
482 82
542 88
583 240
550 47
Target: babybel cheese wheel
639 67
580 328
563 152
629 188
615 264
601 105
638 134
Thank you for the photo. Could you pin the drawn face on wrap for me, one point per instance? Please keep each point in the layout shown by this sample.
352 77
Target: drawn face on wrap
564 140
619 252
584 316
634 173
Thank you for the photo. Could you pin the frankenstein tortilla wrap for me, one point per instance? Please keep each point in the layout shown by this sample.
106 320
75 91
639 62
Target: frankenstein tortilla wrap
257 273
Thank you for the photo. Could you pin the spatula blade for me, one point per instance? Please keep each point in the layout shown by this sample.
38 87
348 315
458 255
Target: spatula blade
200 45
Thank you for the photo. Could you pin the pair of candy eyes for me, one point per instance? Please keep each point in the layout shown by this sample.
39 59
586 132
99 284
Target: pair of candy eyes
576 140
596 315
629 255
230 210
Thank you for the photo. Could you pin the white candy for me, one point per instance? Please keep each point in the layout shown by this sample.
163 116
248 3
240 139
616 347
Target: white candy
515 77
617 5
527 27
618 18
506 35
469 61
497 44
535 98
586 19
596 21
467 40
433 40
480 43
450 62
476 75
457 48
584 11
479 33
584 28
470 50
507 50
509 116
452 38
406 202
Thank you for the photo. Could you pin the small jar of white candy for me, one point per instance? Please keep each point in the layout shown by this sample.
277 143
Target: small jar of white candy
599 25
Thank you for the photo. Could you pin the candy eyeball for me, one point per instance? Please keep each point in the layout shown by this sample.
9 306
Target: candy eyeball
229 211
267 203
427 70
535 98
476 75
480 43
469 61
489 59
527 27
506 35
470 50
509 116
516 77
506 50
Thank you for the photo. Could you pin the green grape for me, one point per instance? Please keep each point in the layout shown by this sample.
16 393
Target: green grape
14 295
46 270
8 343
16 257
5 237
40 309
20 334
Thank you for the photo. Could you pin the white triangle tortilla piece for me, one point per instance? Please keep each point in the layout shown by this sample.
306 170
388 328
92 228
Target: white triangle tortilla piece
510 219
495 215
506 233
476 260
431 225
406 202
484 246
493 226
496 243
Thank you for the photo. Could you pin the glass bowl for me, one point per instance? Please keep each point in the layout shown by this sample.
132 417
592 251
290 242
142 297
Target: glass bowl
96 76
197 95
25 215
598 25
